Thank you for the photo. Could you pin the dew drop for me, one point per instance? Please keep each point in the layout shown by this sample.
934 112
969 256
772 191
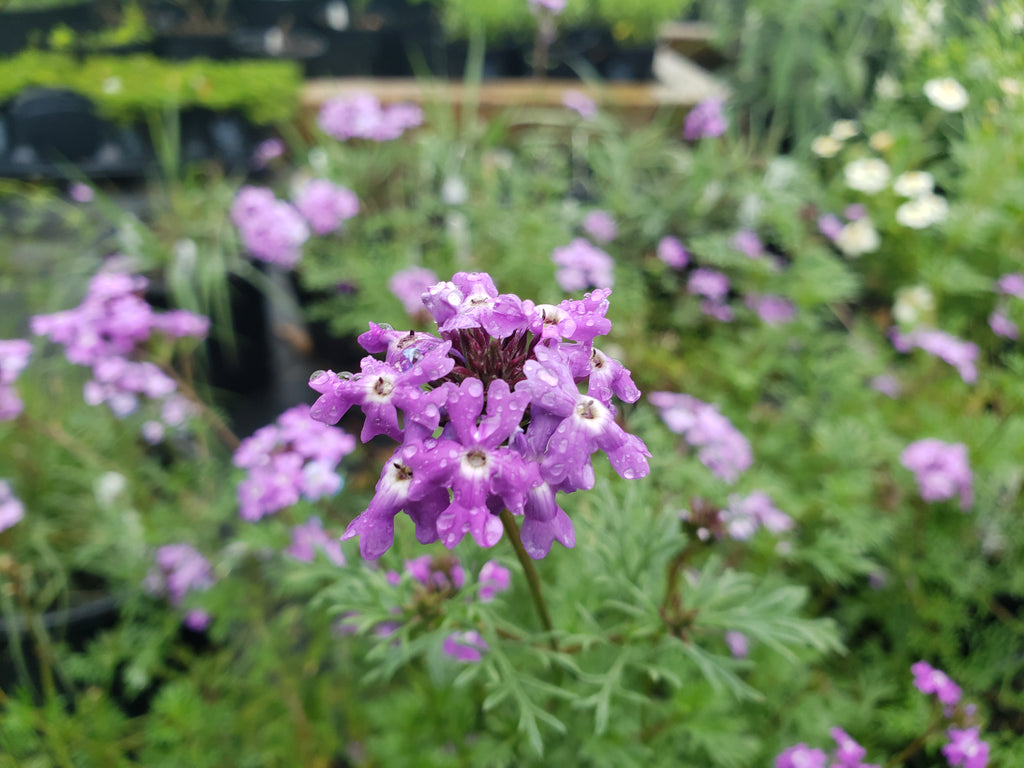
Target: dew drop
316 375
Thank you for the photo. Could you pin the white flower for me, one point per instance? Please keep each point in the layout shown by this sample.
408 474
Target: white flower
825 146
1009 86
946 94
912 304
881 141
844 129
108 487
318 160
454 191
857 238
888 87
868 175
1015 21
922 211
914 184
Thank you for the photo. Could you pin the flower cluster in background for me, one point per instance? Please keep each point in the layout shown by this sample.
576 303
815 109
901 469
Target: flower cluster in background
295 457
409 285
720 446
364 117
707 120
941 470
310 538
108 331
180 569
14 356
582 265
11 508
501 383
326 206
848 754
960 354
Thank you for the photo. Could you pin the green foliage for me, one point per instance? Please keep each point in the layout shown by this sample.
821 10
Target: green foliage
128 88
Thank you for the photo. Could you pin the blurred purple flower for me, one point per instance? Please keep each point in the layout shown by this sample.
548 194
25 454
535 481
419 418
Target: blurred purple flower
580 103
673 253
465 646
600 226
941 470
705 121
409 285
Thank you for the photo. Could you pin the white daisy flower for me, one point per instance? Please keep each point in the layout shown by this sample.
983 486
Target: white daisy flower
913 304
825 146
881 141
946 94
844 129
868 175
857 238
923 211
914 184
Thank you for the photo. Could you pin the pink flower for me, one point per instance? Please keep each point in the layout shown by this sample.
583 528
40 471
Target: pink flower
494 578
11 509
580 103
582 265
705 121
1002 325
465 646
600 226
965 748
672 252
941 470
80 193
409 285
747 242
773 310
326 206
1012 284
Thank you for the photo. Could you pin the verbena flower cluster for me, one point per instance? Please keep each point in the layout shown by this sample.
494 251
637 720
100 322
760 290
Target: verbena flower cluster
408 286
582 265
108 332
363 117
293 458
1009 286
11 509
705 121
275 230
720 446
310 538
180 569
941 469
962 355
14 355
848 754
492 415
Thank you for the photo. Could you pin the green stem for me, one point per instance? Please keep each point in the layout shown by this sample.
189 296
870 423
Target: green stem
512 531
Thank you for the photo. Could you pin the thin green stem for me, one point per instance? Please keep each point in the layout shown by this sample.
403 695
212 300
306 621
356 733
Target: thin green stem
512 531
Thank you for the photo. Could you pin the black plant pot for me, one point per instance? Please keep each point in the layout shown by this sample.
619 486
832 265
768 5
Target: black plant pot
350 53
579 49
502 59
270 13
181 47
629 63
20 27
226 137
305 47
56 125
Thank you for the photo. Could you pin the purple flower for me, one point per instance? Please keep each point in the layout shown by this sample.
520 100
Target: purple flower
673 253
1002 325
738 644
409 285
179 570
962 355
600 226
745 515
929 680
965 748
310 537
773 310
465 646
849 753
294 458
1012 284
493 578
492 415
326 205
80 193
437 574
275 233
363 117
801 756
580 103
11 509
582 265
830 226
14 355
709 283
266 151
722 449
941 470
705 121
855 212
887 384
747 242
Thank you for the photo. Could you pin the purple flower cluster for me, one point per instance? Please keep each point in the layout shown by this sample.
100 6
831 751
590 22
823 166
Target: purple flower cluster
266 151
705 121
272 230
713 287
941 469
582 265
11 508
408 285
721 448
748 243
772 310
745 514
673 253
363 117
965 748
962 355
929 680
1010 285
848 754
465 646
580 103
180 569
14 355
108 331
310 538
326 206
600 226
492 415
293 458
